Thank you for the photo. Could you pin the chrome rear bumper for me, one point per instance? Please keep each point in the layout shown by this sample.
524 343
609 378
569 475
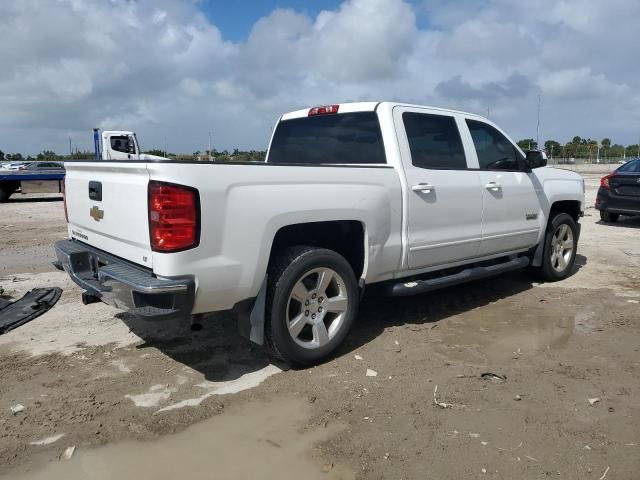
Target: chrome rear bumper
124 285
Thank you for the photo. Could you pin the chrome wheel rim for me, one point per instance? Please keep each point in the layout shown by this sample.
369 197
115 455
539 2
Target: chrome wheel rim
317 307
561 248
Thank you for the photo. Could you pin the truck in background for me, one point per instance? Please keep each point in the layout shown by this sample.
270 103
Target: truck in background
110 145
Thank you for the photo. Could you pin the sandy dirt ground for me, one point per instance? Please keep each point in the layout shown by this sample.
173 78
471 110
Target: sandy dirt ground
144 400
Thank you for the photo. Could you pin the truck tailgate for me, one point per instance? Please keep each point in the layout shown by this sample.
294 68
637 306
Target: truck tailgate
107 207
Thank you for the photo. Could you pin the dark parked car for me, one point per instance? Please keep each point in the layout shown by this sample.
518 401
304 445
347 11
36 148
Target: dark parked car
619 192
43 166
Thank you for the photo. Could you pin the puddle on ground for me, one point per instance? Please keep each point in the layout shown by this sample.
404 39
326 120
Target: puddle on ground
488 337
258 440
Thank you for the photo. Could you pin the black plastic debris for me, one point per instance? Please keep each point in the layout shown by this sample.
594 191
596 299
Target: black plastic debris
34 303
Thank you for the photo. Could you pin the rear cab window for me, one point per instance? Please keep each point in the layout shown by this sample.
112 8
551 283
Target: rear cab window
343 138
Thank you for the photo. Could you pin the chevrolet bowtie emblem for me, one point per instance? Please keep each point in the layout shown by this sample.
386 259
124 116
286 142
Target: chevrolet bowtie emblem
96 213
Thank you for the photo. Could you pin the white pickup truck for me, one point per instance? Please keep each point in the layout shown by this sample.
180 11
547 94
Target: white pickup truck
349 195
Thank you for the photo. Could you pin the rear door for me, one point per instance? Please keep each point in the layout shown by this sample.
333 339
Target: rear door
443 196
512 214
107 207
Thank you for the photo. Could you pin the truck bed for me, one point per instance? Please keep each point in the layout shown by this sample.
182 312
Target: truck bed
22 175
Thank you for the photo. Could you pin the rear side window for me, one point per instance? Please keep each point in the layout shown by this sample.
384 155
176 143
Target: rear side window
495 151
345 138
434 141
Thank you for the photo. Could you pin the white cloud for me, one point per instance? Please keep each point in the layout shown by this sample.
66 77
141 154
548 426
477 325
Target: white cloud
162 68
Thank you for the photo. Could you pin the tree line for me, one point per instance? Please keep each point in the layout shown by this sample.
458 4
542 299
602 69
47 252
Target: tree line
579 147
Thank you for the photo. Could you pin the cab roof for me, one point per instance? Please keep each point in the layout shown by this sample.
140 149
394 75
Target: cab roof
367 107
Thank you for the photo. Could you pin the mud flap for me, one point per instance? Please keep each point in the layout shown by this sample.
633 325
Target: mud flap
33 304
251 314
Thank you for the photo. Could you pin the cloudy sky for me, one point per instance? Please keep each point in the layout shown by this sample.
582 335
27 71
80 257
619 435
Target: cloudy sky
177 69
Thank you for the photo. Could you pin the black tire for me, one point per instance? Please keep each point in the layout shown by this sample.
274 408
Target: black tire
547 272
4 194
609 217
285 272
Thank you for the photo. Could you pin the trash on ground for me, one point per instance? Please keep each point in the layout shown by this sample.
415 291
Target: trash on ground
33 304
493 377
17 408
327 467
593 401
436 402
48 440
371 373
605 473
68 453
517 398
357 357
474 435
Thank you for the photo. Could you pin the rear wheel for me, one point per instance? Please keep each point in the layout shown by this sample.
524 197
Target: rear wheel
312 301
608 216
560 248
5 194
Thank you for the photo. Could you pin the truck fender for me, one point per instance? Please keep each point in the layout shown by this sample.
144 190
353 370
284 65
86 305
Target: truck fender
251 315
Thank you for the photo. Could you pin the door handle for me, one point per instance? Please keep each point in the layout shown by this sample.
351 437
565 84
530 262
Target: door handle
423 188
495 186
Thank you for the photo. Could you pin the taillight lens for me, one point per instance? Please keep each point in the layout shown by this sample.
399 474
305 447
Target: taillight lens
174 217
323 110
604 181
64 200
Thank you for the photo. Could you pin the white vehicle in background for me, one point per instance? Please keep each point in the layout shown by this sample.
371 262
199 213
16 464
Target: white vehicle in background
13 165
415 198
119 145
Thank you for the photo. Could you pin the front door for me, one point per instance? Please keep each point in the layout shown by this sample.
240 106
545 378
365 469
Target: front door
512 216
443 197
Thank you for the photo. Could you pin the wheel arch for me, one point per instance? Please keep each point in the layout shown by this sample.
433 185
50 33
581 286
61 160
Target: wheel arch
346 237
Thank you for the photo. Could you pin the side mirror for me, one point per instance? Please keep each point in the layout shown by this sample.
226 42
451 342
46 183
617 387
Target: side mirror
536 159
131 147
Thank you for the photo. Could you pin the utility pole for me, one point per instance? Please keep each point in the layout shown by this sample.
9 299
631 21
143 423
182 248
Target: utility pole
70 151
209 146
538 126
165 146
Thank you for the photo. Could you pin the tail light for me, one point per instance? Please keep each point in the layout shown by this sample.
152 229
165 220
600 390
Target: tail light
64 200
604 181
324 110
174 217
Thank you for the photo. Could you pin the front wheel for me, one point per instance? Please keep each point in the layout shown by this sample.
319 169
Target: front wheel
560 248
312 302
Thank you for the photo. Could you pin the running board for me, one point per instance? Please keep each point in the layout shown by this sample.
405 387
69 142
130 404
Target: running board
414 287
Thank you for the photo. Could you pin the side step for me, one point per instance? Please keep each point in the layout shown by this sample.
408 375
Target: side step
414 287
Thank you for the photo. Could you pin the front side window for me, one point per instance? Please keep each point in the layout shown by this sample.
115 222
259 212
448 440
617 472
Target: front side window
434 141
345 138
120 143
495 151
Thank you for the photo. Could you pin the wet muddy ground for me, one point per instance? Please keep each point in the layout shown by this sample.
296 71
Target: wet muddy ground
144 400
